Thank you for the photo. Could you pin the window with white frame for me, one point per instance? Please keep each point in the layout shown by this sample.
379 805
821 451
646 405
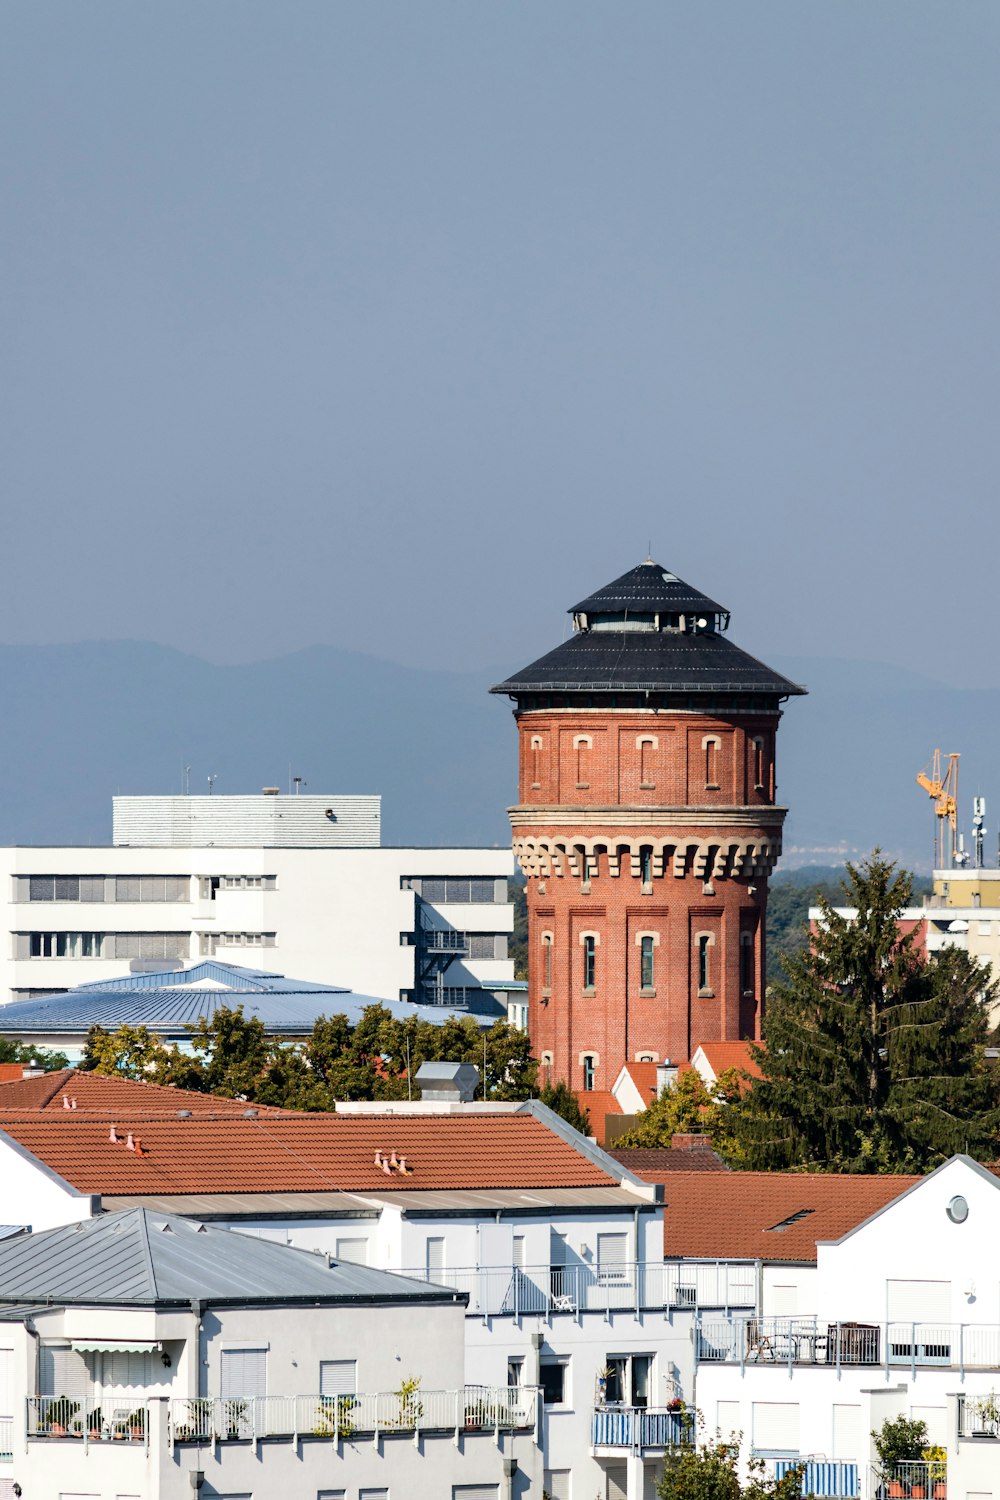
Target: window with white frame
552 1377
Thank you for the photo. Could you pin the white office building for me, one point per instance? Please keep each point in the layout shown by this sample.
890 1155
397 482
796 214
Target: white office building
303 877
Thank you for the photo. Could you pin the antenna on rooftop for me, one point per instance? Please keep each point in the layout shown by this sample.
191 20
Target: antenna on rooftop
187 781
211 783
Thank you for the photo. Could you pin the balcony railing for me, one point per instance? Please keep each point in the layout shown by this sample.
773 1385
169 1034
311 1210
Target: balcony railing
111 1420
6 1440
822 1477
639 1428
505 1291
979 1416
238 1418
808 1341
908 1481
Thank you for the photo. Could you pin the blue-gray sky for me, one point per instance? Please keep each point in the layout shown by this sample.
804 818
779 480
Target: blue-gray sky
400 326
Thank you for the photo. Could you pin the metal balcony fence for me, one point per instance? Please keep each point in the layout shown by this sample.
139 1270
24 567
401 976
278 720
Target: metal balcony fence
822 1477
112 1419
979 1416
908 1481
639 1428
499 1291
242 1418
807 1341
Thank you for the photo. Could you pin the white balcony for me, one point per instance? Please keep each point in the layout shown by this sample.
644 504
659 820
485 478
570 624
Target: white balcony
233 1419
809 1341
505 1291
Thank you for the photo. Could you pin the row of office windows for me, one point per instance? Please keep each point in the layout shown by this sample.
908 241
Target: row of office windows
490 890
129 945
133 888
705 941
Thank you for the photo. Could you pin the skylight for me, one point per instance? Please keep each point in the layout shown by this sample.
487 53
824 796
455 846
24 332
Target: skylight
800 1213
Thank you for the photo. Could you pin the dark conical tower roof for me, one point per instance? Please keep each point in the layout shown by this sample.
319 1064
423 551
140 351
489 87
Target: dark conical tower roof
648 588
649 632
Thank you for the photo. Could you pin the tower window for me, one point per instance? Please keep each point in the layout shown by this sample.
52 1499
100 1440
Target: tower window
711 765
536 761
546 962
746 963
758 763
646 950
589 961
646 865
704 943
582 745
588 1073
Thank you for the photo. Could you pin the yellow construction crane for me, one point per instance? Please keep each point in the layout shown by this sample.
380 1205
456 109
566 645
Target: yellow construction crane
943 791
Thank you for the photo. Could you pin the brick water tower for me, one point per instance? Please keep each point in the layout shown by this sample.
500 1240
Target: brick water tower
647 828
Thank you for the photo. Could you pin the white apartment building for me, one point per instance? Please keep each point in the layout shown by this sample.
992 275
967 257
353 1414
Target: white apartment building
188 878
141 1357
558 1248
902 1319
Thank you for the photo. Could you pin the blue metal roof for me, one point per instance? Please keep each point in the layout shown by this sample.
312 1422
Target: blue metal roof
232 976
169 1004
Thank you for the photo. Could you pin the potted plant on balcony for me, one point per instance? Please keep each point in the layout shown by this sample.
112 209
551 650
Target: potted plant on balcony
900 1440
411 1408
137 1425
95 1424
935 1458
234 1417
985 1413
60 1415
333 1416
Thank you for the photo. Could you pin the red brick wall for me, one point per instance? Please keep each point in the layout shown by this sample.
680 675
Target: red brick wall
633 764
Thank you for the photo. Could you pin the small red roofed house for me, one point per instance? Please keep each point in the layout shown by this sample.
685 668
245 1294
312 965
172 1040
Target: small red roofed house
712 1059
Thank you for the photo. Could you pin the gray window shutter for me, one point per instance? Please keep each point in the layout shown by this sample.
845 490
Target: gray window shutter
243 1373
338 1377
62 1372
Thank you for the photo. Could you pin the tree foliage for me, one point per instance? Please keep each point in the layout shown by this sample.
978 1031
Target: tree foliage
687 1107
560 1098
712 1472
874 1057
376 1058
31 1056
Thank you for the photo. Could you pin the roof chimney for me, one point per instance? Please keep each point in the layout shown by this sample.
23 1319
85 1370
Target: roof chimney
691 1142
453 1082
666 1075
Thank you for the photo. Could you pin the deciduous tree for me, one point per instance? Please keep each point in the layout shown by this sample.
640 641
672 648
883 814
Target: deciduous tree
875 1050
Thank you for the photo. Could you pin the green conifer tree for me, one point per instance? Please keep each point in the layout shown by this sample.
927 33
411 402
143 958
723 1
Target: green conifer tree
874 1057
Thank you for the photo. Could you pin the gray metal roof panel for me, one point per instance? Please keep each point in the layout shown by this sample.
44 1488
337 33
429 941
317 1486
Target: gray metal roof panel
289 1013
142 1258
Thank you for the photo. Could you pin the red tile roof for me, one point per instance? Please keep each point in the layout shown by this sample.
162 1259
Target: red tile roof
100 1091
10 1071
599 1104
723 1055
662 1163
301 1153
732 1216
643 1075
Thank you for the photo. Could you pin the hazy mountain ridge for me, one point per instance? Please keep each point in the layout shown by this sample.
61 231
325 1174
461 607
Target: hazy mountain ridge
89 719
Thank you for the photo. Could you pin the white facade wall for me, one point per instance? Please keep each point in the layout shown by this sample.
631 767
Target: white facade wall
335 916
911 1264
389 1345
